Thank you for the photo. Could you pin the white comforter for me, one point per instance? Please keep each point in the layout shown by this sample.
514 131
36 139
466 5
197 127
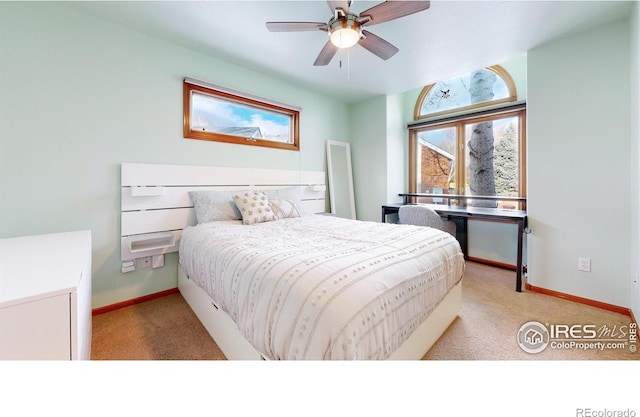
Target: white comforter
322 287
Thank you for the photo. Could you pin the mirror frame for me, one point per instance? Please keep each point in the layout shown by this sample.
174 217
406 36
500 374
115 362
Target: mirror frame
333 179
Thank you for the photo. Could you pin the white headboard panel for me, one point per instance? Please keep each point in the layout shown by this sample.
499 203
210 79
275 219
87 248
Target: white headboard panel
155 203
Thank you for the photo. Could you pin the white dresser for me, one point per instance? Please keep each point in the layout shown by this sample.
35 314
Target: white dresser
45 296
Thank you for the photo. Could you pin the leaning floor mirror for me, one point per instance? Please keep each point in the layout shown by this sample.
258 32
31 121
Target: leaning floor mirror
340 179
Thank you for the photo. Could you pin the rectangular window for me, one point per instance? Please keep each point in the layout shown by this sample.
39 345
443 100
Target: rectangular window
477 155
221 116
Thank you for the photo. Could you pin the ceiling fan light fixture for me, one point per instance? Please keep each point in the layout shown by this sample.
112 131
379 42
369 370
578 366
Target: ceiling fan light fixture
345 32
346 29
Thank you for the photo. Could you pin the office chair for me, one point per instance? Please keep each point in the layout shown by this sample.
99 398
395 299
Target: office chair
424 216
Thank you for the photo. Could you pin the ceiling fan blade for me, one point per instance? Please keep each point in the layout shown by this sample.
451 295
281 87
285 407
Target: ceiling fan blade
296 26
390 10
333 5
326 54
377 45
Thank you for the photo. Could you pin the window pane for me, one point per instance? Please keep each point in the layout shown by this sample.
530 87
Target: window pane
436 162
492 161
216 115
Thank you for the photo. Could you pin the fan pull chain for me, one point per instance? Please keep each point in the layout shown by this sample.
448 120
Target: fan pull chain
349 66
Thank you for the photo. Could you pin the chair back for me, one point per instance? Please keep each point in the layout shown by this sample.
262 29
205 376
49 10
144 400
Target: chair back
424 216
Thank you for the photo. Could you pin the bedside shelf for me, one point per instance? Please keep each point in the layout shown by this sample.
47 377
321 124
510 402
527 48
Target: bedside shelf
151 241
148 244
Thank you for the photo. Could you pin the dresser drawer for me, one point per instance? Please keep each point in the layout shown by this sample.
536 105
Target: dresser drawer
45 296
39 329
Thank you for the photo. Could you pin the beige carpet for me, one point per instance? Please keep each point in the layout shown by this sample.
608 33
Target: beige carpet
492 313
164 328
486 329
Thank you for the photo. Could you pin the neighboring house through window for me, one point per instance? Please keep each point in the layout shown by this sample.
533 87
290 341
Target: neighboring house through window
219 114
468 138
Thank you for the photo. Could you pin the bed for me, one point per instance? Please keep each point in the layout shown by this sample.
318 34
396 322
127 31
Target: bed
302 284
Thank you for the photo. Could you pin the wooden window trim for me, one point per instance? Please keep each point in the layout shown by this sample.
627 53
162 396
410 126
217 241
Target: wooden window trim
461 152
248 101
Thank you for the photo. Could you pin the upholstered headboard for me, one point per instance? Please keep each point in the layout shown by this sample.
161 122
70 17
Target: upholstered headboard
155 203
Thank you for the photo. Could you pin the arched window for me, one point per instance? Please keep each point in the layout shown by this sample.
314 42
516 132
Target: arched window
453 94
468 138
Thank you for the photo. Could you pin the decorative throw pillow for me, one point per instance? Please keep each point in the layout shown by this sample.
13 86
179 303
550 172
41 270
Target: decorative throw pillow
215 205
284 209
254 207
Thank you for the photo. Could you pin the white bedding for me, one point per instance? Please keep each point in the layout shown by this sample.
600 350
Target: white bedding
322 287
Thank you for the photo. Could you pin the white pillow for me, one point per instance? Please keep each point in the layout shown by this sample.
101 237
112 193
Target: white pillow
215 205
284 209
254 207
292 194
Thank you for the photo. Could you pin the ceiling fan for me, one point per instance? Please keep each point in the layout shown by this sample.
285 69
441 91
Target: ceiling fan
345 29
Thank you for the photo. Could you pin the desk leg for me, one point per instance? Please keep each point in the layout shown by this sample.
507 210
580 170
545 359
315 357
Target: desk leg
386 211
461 234
519 260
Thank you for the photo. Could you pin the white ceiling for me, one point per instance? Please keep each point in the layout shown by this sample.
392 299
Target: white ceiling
448 38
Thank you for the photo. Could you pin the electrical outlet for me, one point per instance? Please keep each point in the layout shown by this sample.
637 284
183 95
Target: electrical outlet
145 262
584 264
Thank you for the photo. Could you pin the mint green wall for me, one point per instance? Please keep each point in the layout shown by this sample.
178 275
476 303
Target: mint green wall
634 48
369 156
579 169
81 95
378 141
